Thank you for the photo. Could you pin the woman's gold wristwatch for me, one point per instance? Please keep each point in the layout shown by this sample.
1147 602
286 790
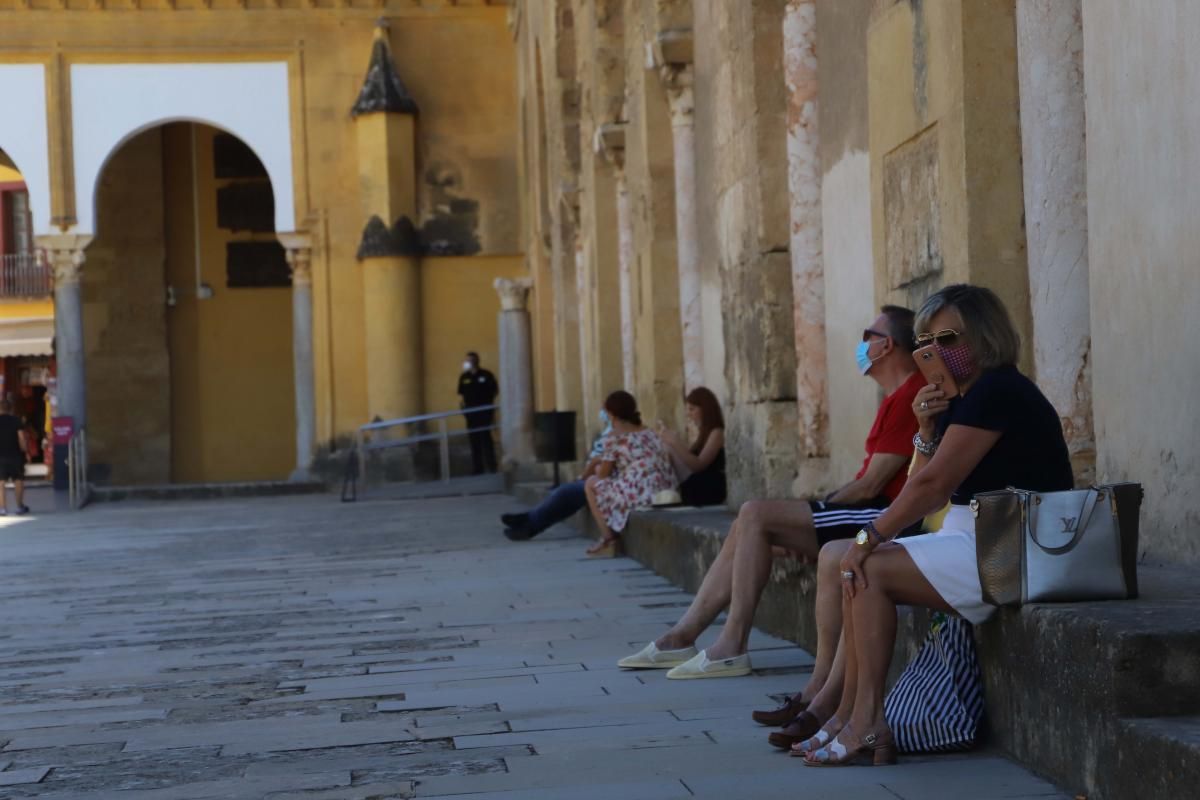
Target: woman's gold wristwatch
869 534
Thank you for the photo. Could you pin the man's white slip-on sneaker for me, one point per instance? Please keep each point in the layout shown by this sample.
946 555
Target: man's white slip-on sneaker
702 667
650 657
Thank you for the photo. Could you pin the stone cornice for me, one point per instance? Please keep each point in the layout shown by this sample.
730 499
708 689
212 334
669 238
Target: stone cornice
393 8
610 142
673 48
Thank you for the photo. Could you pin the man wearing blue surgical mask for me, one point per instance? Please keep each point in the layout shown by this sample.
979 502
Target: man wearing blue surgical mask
565 500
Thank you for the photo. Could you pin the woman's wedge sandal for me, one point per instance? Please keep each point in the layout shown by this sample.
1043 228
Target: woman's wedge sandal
872 751
605 548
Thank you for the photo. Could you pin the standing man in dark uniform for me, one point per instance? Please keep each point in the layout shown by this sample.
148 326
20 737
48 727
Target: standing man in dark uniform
478 387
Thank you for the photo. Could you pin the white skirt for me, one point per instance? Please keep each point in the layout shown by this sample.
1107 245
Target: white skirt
947 560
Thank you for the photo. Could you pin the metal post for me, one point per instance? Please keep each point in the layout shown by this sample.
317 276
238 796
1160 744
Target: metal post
445 449
362 460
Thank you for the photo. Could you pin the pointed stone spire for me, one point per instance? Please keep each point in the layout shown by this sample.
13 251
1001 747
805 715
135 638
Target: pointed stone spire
382 89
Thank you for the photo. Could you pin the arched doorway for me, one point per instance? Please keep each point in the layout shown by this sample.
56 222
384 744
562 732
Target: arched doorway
26 313
187 314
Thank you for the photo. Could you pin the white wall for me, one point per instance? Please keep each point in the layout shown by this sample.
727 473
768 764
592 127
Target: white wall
111 103
23 134
849 307
1143 189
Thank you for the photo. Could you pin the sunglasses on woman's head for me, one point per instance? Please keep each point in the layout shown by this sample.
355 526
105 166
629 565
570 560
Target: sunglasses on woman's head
945 338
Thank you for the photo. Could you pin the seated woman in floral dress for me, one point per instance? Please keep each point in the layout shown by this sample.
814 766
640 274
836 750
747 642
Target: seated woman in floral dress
634 467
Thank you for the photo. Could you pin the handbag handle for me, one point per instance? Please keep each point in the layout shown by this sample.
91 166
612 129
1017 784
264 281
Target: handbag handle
1090 501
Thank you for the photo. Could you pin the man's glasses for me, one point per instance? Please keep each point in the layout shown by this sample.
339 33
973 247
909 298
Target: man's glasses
944 338
869 332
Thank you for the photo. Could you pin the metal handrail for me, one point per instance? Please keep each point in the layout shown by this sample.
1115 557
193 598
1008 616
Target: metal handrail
443 434
78 490
391 423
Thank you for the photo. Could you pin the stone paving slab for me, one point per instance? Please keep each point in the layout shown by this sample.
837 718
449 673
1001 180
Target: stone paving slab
304 648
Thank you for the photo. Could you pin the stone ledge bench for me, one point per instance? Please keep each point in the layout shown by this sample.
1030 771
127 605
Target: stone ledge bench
1101 698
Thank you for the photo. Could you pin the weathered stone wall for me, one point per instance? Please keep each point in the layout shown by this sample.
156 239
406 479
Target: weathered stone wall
650 179
741 179
846 225
1142 194
945 144
125 327
600 68
550 175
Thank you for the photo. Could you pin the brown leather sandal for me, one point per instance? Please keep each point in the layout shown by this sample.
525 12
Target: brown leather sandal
832 727
873 750
802 727
782 715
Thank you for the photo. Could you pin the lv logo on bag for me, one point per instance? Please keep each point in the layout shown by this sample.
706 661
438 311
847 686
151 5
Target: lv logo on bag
1068 524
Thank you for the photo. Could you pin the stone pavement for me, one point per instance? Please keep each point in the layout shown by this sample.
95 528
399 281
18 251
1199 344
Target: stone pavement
301 648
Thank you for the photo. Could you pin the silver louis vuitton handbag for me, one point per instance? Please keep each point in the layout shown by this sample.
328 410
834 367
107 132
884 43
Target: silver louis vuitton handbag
1035 547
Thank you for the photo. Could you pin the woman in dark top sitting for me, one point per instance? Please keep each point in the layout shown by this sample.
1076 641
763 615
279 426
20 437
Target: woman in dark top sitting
1001 431
701 467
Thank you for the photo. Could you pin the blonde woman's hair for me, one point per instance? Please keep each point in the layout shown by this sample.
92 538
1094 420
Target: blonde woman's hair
989 330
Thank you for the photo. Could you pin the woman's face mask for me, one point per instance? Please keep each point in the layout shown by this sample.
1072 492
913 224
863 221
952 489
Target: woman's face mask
958 360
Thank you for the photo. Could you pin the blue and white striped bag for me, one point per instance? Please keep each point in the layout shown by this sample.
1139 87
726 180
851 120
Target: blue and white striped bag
937 704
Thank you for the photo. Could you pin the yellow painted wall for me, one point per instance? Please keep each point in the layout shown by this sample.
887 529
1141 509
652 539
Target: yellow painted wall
458 62
27 309
232 410
461 314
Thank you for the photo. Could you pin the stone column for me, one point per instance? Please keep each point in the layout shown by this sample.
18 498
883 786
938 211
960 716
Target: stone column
808 267
299 257
66 255
1053 126
516 371
610 140
678 80
625 245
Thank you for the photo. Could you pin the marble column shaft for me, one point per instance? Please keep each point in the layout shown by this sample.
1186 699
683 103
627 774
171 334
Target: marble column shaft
687 234
300 260
516 371
66 255
625 251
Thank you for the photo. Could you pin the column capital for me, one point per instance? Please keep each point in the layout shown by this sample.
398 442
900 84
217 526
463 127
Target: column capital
299 256
65 252
514 292
678 82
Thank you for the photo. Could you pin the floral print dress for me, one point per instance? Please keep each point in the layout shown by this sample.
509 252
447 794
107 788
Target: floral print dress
643 469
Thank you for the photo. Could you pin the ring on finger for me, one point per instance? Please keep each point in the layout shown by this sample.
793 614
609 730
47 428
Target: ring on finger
847 575
924 405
